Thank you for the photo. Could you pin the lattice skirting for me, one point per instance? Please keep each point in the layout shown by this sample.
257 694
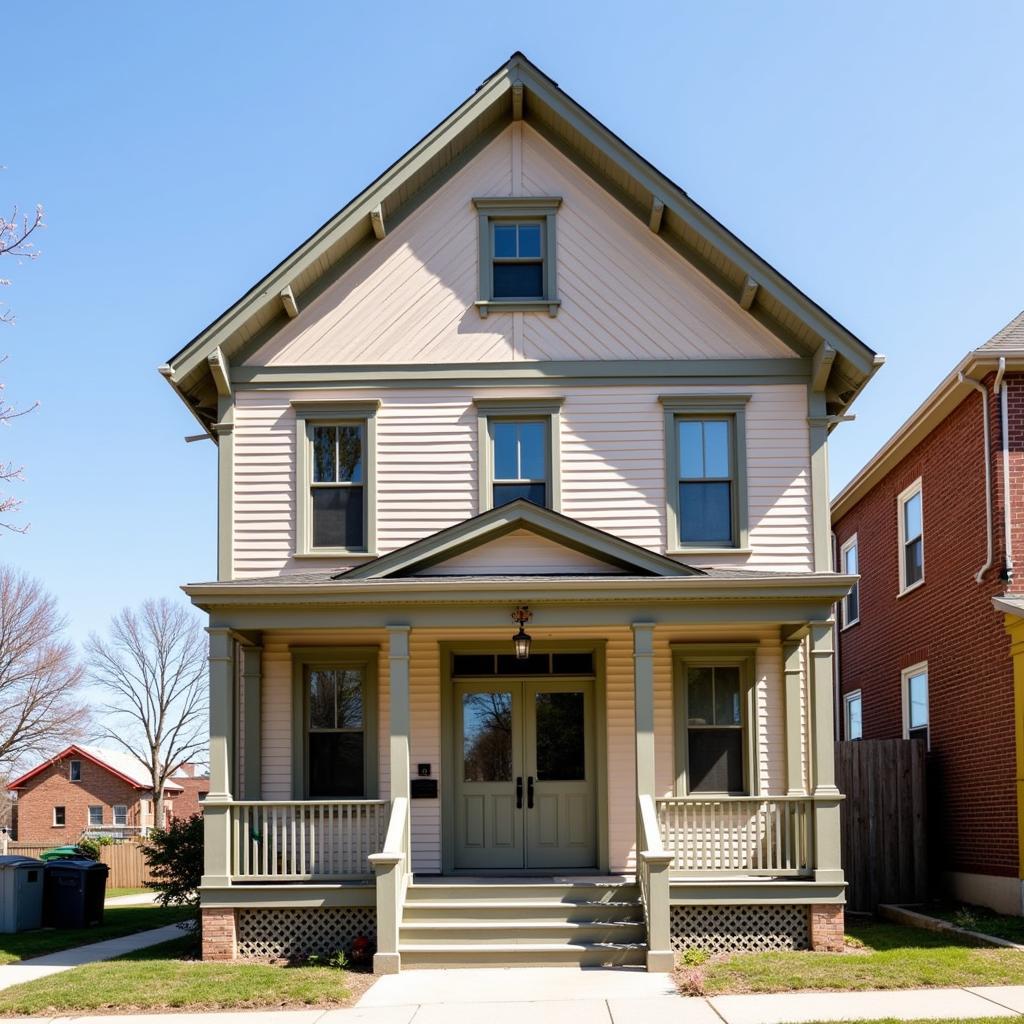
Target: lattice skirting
743 929
294 933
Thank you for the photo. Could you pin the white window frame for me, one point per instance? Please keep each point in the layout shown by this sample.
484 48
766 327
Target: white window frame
848 545
123 808
64 809
921 668
905 495
848 699
71 771
88 816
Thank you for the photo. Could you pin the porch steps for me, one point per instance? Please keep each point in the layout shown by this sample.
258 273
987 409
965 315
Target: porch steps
522 923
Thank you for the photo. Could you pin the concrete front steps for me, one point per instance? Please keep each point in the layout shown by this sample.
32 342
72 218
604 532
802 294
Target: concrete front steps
528 923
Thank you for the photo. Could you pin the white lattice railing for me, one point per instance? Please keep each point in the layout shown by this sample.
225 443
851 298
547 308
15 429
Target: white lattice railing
306 840
738 835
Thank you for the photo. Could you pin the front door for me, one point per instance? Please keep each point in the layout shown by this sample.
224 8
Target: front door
525 775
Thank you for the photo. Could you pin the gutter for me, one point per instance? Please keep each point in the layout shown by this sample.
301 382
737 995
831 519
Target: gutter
999 387
987 456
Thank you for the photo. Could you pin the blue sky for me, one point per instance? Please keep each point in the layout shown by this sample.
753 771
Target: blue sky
870 151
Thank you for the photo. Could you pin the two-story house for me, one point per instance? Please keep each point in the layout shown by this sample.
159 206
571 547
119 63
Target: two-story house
932 637
521 641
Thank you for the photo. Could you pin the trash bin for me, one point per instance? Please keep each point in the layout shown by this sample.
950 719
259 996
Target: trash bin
58 853
21 893
73 891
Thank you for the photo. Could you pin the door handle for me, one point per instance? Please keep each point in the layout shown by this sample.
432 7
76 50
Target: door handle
519 792
529 792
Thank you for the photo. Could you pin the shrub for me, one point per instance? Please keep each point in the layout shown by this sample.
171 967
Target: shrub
89 846
694 957
965 918
175 859
338 960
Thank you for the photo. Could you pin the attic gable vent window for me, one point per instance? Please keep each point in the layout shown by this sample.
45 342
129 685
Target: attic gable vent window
517 254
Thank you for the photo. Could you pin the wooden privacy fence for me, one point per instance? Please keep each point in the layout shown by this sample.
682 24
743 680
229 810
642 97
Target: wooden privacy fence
883 818
128 868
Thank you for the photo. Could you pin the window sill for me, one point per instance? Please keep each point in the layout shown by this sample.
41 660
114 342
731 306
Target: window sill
335 553
709 551
848 625
911 588
486 306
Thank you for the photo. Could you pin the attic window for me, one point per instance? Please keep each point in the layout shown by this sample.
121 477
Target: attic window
517 254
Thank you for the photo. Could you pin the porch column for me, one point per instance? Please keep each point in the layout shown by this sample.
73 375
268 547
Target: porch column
398 696
643 704
794 685
827 856
216 807
252 688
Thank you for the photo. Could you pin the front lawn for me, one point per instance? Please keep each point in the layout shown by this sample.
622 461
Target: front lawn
169 977
878 956
128 892
117 921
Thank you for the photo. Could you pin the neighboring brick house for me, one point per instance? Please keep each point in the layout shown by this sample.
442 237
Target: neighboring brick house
923 644
85 790
193 791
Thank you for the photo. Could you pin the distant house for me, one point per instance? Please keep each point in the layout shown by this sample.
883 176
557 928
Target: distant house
193 792
90 791
929 639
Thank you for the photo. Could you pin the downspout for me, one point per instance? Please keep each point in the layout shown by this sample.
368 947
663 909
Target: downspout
999 387
980 574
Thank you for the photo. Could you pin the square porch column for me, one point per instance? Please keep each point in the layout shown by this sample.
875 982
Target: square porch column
643 704
827 855
217 806
399 717
793 672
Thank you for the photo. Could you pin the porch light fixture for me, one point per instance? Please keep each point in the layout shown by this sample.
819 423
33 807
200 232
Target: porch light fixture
521 641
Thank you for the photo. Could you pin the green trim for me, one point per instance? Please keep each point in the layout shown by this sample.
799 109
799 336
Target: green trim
445 650
519 515
744 657
490 409
679 407
821 519
365 658
492 208
252 682
292 894
729 892
567 372
308 414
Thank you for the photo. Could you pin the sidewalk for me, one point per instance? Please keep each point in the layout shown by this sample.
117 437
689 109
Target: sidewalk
135 899
566 996
54 963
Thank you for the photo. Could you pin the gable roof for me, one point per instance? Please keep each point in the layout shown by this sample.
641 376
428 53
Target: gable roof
1004 349
120 763
518 515
518 90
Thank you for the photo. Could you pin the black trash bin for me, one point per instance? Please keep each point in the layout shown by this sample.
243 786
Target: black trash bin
73 892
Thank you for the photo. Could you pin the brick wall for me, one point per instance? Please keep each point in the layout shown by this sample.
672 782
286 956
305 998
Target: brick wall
52 788
949 622
187 803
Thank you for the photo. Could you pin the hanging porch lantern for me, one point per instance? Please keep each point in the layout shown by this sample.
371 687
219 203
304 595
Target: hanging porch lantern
521 641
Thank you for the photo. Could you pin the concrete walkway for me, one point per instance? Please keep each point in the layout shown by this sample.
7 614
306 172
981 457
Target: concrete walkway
135 899
54 963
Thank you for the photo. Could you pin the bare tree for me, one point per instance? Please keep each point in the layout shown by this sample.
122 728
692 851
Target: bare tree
41 706
153 667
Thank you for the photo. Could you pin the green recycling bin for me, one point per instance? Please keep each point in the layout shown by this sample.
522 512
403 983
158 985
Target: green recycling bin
58 852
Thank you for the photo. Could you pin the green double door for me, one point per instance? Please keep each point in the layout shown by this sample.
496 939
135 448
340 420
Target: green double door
525 792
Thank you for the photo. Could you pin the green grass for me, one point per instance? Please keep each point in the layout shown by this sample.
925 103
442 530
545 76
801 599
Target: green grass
169 977
978 919
888 956
117 921
126 892
943 1020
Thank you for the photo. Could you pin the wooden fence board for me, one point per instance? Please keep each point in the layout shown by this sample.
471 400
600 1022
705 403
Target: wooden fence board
128 868
883 820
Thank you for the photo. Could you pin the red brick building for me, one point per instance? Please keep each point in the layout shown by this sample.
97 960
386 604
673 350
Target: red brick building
193 791
924 641
85 790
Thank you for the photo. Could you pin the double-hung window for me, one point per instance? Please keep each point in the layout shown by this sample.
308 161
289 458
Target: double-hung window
519 451
853 728
335 479
911 534
915 702
95 815
336 713
58 817
850 562
517 254
120 814
706 472
714 740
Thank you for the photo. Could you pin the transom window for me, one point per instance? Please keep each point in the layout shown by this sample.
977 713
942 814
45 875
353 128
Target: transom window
705 480
518 260
852 712
75 771
520 461
849 557
915 702
96 815
120 814
911 525
336 746
714 724
338 497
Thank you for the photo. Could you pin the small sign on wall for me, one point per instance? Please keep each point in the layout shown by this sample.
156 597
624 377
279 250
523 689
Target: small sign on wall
423 789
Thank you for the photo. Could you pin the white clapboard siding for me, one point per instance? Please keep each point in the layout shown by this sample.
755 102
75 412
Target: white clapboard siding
613 468
625 293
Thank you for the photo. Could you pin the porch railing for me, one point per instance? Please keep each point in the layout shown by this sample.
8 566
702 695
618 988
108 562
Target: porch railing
327 840
770 836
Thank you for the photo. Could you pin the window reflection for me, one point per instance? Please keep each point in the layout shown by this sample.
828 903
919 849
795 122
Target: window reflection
487 737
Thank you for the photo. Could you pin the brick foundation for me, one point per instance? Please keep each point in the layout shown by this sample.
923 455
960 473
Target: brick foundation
827 927
219 941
